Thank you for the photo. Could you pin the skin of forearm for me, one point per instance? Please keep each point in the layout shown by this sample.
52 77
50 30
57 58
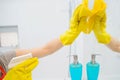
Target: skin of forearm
43 51
114 45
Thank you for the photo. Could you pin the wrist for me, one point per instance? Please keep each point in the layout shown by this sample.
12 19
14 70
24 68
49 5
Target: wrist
103 38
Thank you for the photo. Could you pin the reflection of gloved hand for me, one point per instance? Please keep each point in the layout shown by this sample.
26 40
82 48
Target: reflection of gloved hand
22 71
100 25
84 17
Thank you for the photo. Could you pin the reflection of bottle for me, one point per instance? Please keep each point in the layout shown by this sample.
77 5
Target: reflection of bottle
75 69
92 68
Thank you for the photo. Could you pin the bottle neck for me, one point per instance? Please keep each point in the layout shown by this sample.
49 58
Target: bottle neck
93 62
93 59
75 61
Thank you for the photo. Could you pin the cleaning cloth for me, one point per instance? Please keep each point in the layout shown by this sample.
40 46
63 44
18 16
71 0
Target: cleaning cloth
76 21
22 71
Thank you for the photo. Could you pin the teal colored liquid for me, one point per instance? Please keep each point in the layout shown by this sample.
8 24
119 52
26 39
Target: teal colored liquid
76 71
92 71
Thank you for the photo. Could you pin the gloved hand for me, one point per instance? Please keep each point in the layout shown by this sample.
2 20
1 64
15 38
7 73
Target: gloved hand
77 24
100 24
22 71
70 35
84 15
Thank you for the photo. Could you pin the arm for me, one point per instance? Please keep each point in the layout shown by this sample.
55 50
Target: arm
47 49
114 45
66 38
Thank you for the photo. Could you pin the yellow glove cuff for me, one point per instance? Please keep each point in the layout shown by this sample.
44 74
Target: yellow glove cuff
104 38
68 37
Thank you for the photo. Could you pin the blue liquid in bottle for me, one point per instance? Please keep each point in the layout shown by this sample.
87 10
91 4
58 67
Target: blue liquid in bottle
92 68
92 71
76 71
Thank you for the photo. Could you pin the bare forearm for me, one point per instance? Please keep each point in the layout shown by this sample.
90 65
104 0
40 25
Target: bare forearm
45 50
114 45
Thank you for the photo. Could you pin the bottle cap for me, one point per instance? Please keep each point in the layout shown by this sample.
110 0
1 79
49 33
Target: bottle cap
93 56
75 59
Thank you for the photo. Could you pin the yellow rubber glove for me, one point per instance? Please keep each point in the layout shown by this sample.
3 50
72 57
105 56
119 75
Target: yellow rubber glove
23 70
77 22
85 14
70 35
100 23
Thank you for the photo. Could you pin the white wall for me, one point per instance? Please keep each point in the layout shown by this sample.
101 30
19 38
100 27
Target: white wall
42 20
39 21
